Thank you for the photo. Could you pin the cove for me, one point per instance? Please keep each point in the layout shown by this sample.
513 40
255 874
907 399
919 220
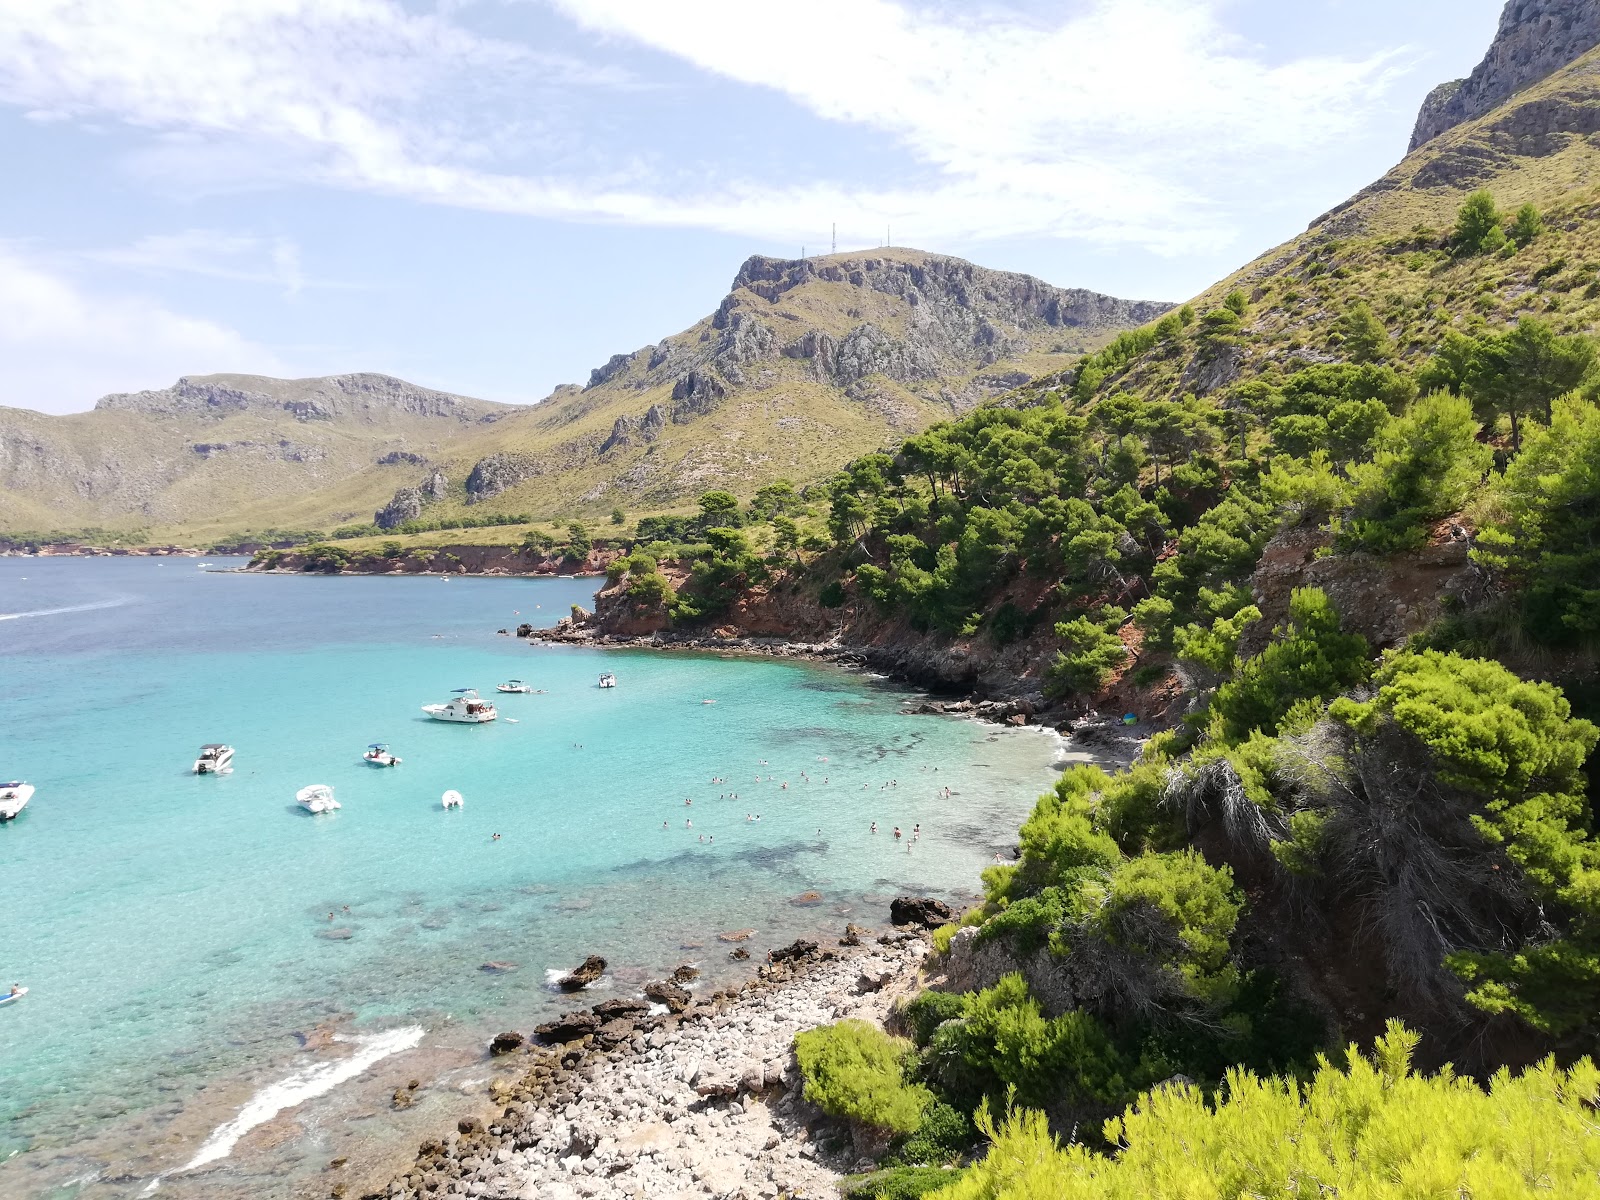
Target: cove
175 931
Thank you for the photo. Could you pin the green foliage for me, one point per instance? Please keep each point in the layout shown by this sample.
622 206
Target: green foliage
1365 338
898 1183
855 1070
1526 225
1546 531
618 517
1004 1042
726 566
1372 1129
1478 226
1425 466
1091 653
1309 659
719 510
1235 302
330 560
930 1009
1199 903
775 499
579 543
1515 749
944 1134
832 594
1522 371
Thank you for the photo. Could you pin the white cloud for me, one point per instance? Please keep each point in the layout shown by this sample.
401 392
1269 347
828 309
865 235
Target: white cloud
1129 122
241 258
62 348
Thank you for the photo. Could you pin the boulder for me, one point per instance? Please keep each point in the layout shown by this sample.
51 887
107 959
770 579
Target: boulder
739 954
610 1010
505 1043
793 952
568 1028
664 991
925 912
685 973
806 899
714 1081
737 935
853 934
584 974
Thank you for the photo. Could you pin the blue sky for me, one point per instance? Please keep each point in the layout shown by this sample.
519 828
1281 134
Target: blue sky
493 196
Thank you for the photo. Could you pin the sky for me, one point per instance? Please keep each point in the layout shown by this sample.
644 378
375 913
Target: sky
494 196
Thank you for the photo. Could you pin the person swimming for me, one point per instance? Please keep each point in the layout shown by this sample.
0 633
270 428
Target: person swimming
897 833
688 824
874 827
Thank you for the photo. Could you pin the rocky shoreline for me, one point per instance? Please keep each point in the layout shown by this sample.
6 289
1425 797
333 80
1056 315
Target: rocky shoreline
622 1101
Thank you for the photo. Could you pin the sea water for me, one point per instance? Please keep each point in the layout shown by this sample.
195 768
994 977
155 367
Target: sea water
225 990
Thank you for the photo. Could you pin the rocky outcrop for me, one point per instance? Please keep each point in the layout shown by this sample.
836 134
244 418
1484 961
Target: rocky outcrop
696 394
1535 38
581 976
629 431
1385 599
409 502
493 475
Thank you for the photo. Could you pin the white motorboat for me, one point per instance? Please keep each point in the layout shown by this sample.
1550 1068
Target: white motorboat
317 798
215 758
465 709
14 797
608 680
515 685
378 755
451 799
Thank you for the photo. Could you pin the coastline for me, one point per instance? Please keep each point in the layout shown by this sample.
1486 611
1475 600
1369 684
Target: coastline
702 1102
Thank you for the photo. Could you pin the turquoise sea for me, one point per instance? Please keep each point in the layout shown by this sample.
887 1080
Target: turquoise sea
222 982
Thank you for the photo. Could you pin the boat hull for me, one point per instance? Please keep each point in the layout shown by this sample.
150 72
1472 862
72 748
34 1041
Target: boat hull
440 712
13 801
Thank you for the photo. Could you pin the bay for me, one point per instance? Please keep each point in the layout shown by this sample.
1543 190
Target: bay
199 949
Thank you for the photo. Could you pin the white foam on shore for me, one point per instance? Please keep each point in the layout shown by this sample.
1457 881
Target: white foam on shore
302 1086
70 608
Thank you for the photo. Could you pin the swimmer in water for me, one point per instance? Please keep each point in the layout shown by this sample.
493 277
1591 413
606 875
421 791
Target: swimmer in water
688 824
495 838
897 833
687 801
663 824
874 827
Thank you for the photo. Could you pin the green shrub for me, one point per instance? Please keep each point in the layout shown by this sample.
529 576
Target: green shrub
945 1134
1311 659
1091 655
1373 1129
930 1009
855 1070
1478 226
1427 463
832 594
1546 530
898 1183
1516 753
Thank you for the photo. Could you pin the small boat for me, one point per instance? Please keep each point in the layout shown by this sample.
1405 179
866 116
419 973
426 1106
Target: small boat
451 799
515 685
608 680
13 997
378 755
316 798
465 709
215 758
14 797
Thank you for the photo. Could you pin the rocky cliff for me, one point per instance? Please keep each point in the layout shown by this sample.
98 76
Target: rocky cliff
1536 38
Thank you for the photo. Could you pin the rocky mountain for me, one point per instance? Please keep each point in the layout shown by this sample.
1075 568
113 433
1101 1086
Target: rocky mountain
221 447
1536 38
803 365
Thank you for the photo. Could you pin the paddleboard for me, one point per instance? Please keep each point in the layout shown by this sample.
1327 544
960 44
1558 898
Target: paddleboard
9 997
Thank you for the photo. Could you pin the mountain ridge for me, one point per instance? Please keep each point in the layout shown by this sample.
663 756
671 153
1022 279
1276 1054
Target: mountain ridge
802 364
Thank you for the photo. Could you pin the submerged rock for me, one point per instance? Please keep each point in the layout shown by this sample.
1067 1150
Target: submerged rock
583 975
685 973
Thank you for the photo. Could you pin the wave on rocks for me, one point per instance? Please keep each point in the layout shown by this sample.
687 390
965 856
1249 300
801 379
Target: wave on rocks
299 1087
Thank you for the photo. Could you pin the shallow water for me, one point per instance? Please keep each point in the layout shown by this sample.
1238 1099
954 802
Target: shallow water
216 975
